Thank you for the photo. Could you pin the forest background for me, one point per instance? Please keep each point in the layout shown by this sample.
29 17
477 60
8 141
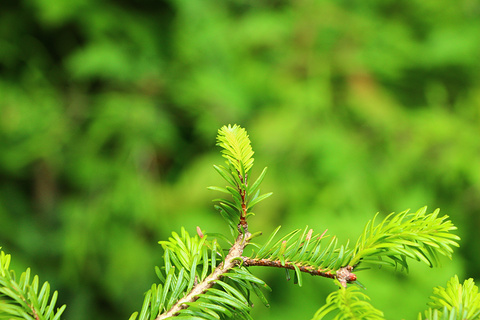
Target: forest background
109 112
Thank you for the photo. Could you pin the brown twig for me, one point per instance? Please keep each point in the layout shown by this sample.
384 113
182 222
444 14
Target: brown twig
243 194
343 275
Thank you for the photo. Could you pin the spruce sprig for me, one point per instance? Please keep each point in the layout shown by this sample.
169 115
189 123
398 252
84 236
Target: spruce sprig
419 236
348 304
236 147
200 279
25 298
399 237
456 301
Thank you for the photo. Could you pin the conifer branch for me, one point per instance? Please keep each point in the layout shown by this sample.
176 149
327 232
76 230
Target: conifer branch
349 303
230 262
236 148
419 236
25 299
200 281
456 301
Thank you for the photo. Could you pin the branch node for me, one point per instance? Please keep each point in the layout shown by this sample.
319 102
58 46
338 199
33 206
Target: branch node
345 275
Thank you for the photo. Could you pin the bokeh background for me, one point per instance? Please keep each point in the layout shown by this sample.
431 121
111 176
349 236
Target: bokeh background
109 112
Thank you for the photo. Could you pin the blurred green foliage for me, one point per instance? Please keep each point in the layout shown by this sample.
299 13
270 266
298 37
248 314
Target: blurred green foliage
109 111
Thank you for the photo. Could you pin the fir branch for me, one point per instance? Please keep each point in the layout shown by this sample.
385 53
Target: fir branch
461 301
200 282
231 260
25 298
236 148
418 235
349 303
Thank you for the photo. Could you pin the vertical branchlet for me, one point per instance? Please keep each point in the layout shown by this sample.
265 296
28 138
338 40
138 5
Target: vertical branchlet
243 194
